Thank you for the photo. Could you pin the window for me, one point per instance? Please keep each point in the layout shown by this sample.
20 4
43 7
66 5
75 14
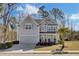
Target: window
53 28
49 36
43 28
28 26
49 29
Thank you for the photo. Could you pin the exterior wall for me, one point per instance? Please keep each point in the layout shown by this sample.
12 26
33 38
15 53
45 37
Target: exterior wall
29 32
28 36
46 33
47 36
33 35
45 28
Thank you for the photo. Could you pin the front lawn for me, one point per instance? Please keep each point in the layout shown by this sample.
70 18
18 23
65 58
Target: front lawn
72 45
69 46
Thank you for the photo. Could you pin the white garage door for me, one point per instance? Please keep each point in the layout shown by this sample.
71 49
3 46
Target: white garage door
29 39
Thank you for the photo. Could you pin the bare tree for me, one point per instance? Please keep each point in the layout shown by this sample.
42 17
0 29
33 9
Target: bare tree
58 15
7 9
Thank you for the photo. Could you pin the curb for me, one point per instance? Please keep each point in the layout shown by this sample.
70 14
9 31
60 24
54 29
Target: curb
40 52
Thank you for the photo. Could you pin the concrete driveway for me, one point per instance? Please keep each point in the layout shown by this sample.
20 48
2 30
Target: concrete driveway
24 45
21 47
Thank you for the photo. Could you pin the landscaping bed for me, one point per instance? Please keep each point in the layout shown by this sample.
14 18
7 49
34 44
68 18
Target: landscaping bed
11 39
6 45
45 44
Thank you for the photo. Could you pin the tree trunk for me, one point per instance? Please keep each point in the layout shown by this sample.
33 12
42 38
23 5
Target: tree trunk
62 41
4 29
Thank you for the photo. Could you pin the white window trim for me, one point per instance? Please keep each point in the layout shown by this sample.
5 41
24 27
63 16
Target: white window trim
28 24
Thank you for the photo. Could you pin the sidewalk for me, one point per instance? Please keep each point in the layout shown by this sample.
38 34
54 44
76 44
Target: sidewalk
38 52
28 52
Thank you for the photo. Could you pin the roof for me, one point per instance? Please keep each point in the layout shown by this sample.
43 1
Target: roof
47 21
38 21
27 18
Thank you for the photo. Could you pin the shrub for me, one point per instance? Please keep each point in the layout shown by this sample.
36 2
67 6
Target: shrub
6 45
15 42
40 41
66 39
9 44
2 46
59 42
54 41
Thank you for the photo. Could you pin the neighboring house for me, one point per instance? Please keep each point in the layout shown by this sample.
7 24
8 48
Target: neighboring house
31 30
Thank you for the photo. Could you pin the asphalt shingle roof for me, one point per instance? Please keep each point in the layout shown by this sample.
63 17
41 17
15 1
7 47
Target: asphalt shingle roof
46 20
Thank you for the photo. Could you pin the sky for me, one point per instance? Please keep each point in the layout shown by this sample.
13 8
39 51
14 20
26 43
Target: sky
70 9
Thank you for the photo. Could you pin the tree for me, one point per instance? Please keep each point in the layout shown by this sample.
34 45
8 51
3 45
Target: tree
1 8
63 32
58 15
43 12
7 9
13 22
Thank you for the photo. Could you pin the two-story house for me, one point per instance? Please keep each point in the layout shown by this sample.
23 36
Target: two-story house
31 30
47 29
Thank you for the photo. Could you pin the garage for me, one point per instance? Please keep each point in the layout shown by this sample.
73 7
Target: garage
28 39
28 32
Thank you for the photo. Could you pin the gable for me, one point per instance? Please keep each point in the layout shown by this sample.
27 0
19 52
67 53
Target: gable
28 19
50 21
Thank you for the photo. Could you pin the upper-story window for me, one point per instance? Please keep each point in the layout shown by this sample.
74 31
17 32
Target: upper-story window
49 29
28 26
43 28
54 28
